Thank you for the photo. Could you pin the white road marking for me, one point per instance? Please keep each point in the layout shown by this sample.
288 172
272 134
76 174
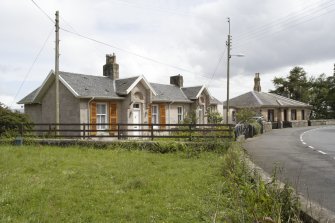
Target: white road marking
322 152
311 147
304 143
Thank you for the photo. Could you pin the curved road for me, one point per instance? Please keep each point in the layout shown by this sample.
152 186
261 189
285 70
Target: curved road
306 157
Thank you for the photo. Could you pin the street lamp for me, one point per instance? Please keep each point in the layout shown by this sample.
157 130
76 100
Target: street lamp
228 43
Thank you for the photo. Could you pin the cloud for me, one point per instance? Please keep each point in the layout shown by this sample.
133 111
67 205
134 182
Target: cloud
191 35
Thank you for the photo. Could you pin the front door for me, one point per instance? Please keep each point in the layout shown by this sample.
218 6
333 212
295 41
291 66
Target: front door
136 120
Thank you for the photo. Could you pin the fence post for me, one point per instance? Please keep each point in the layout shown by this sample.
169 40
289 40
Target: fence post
84 130
49 129
118 131
190 132
230 131
152 131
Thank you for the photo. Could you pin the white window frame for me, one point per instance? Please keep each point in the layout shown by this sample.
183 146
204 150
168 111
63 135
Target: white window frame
180 112
154 115
100 116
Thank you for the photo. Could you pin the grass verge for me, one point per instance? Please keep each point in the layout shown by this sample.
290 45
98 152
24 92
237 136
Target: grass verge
72 184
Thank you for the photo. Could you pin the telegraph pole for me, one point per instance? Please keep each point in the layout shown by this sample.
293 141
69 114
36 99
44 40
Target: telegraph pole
228 43
57 72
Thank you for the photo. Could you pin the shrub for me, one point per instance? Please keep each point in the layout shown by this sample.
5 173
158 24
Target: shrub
10 121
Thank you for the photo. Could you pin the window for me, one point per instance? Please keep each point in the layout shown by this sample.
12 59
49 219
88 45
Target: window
293 114
136 106
180 114
302 114
101 116
154 114
213 108
271 115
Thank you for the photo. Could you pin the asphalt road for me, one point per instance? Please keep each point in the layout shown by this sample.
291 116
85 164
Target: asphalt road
305 157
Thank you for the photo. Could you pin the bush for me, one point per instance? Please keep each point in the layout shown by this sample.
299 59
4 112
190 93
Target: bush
10 122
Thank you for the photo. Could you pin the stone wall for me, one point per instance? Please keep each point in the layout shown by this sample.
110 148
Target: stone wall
267 126
322 122
301 123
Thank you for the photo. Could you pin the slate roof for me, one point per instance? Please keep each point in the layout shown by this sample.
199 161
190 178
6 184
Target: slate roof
123 84
169 93
29 98
87 86
90 86
214 101
263 99
192 92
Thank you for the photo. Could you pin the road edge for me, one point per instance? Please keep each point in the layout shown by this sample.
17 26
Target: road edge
312 211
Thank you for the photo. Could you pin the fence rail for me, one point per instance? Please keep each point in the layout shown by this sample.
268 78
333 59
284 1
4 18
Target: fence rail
122 130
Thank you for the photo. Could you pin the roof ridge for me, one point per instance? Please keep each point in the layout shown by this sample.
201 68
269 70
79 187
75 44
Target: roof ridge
257 98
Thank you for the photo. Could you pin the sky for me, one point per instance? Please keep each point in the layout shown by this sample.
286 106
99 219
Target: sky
162 38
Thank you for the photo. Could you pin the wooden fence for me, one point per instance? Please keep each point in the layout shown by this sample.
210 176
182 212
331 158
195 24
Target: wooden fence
122 131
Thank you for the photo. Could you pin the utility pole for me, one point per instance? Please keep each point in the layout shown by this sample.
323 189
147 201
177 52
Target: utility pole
57 71
228 43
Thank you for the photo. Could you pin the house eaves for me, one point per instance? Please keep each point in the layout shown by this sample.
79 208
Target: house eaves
144 81
68 87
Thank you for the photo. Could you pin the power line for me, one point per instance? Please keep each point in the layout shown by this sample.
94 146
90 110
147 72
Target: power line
46 14
31 66
132 53
115 47
216 67
286 17
289 24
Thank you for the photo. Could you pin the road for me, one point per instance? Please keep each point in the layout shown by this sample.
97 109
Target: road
306 157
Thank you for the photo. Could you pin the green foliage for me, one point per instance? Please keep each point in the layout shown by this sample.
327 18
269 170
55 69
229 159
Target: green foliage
11 120
317 91
214 117
253 200
323 97
245 115
256 127
191 118
294 86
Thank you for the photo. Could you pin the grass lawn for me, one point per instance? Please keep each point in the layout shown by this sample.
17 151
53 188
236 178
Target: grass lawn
52 184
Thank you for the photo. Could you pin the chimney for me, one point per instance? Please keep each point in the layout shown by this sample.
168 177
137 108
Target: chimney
257 80
111 68
177 80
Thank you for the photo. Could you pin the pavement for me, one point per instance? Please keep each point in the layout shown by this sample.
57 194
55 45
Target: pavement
304 157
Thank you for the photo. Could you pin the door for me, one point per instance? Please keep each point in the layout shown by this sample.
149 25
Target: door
136 120
285 115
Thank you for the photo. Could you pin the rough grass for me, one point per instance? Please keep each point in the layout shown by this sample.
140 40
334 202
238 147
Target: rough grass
52 184
72 184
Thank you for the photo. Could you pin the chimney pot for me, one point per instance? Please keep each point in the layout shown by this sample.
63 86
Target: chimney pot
177 80
111 68
257 83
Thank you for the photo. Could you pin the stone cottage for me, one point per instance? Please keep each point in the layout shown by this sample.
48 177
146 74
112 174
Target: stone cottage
111 99
272 107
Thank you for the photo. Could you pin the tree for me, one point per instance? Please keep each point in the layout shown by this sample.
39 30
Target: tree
318 97
245 115
331 96
214 117
295 85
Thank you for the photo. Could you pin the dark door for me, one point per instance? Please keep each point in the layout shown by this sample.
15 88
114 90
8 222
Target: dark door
285 115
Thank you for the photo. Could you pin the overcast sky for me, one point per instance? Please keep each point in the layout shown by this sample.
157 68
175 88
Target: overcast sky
161 38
